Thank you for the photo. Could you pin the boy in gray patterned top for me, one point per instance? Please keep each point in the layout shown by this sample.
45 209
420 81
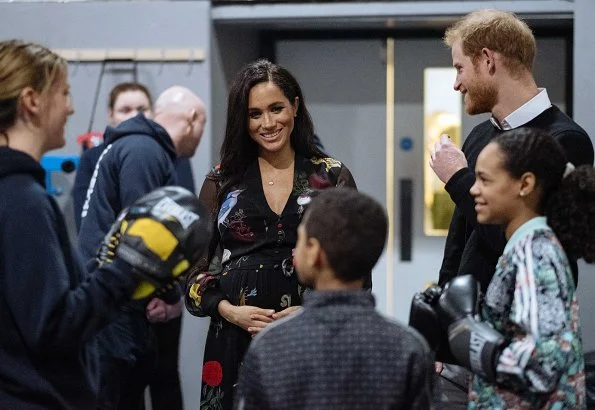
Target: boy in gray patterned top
337 352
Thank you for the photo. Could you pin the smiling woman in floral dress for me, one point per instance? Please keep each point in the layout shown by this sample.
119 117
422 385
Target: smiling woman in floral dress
256 196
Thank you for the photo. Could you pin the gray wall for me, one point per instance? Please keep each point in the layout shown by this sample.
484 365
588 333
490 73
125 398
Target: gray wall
147 24
584 114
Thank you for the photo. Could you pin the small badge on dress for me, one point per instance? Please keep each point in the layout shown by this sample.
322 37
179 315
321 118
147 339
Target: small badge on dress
304 199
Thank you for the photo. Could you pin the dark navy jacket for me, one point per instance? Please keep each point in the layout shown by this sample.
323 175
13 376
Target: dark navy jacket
50 307
84 173
138 157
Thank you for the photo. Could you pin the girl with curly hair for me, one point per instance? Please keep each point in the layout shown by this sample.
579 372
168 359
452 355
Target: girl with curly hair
547 208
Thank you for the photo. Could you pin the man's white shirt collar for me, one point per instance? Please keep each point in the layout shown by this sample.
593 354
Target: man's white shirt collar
525 112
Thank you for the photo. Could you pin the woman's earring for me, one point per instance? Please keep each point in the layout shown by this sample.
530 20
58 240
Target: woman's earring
521 193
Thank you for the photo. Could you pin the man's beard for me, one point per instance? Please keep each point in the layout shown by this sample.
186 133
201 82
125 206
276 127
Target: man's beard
481 98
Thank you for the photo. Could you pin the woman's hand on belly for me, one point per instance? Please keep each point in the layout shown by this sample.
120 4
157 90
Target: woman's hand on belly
286 312
250 318
259 322
263 321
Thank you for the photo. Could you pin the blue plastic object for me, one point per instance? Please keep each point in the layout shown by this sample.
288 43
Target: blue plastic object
57 163
406 143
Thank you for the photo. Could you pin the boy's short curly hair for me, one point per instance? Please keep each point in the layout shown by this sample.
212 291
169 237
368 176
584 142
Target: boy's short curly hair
351 228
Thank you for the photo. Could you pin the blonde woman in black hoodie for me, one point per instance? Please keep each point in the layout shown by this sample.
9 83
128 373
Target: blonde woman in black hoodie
50 307
49 311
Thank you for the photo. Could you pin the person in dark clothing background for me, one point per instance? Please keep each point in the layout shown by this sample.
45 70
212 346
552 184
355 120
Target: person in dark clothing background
127 100
493 52
138 156
51 307
338 352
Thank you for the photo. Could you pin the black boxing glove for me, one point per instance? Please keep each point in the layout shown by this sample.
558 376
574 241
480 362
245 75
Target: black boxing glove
423 317
474 343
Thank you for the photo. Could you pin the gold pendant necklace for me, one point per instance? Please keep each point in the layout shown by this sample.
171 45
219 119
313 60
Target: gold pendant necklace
270 180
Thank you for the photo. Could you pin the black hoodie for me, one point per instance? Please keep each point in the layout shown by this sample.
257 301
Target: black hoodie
138 157
50 308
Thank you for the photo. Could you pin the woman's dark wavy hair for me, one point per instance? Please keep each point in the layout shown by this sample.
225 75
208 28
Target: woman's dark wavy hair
567 202
238 150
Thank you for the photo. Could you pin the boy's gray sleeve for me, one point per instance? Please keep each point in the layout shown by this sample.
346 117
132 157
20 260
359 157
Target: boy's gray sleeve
422 378
250 391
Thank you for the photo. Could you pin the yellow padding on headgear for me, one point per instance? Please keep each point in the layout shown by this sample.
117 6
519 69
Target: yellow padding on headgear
156 237
194 293
180 268
143 290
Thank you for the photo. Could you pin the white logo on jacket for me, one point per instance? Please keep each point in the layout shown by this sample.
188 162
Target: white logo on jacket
93 182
